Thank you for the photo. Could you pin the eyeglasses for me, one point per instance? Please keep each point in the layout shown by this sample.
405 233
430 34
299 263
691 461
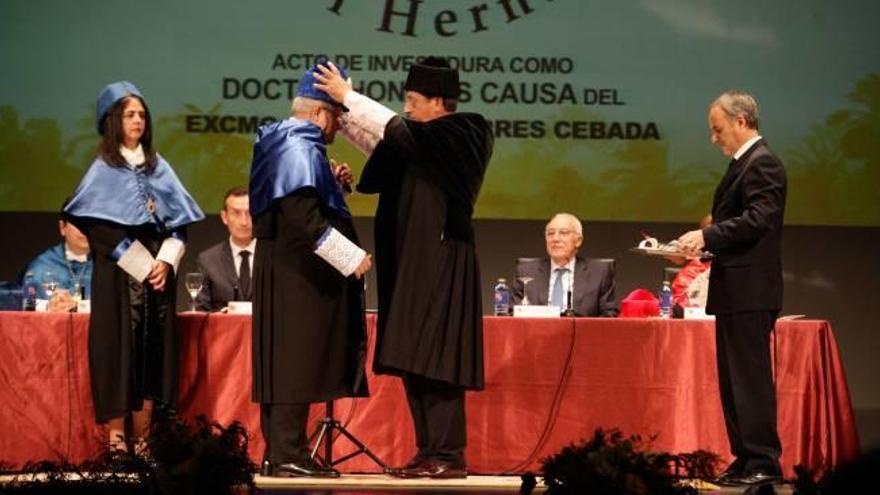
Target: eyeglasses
560 232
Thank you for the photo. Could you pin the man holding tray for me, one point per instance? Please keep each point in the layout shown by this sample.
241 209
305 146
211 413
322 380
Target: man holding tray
745 285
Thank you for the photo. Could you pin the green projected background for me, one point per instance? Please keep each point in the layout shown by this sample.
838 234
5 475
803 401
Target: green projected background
599 107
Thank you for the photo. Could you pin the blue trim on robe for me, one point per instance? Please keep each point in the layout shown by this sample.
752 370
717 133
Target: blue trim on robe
290 155
120 195
121 248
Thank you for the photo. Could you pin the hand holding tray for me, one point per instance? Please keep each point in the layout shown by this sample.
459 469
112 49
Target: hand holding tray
650 246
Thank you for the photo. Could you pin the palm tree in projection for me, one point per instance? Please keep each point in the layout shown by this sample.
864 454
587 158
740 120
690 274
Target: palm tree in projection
534 180
600 179
82 148
816 168
36 173
835 171
861 145
207 163
537 177
640 185
645 186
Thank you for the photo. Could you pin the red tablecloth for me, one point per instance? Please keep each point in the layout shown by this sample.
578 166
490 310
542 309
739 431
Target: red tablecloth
548 383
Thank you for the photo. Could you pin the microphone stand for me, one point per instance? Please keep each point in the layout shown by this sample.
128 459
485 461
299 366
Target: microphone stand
569 311
327 426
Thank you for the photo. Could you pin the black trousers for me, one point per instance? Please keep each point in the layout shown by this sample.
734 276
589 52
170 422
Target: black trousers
284 430
438 415
748 394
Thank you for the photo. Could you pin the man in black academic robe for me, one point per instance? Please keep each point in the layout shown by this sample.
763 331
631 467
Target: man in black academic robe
745 285
427 169
308 326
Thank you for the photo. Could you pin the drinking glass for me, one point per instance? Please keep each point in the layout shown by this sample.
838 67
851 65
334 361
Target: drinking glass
193 284
525 281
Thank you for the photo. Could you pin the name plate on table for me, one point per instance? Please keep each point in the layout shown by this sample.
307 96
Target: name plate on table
534 311
697 314
239 307
84 306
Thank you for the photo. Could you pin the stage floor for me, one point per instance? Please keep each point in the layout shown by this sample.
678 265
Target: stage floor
472 485
378 483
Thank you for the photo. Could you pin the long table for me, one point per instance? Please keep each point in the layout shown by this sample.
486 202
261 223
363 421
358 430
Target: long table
549 382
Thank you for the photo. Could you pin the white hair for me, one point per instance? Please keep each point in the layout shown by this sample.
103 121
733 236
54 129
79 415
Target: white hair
735 103
302 106
572 220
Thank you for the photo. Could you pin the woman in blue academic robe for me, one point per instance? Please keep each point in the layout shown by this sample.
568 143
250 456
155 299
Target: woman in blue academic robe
134 211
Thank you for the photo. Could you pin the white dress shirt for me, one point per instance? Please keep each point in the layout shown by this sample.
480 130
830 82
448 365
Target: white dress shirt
748 144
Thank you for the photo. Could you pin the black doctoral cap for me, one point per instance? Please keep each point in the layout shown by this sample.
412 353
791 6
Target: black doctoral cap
433 77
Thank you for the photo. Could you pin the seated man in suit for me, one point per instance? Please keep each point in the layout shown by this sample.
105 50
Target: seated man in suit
227 266
590 281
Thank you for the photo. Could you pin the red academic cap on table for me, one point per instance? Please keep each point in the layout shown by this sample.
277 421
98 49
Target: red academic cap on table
639 303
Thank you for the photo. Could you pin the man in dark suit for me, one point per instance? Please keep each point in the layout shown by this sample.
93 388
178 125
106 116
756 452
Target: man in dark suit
227 266
745 285
590 281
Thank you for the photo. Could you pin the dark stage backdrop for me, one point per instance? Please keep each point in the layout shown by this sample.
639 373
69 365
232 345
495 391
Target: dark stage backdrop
830 273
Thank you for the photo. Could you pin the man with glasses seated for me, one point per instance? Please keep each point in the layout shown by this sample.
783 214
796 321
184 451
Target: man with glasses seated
590 281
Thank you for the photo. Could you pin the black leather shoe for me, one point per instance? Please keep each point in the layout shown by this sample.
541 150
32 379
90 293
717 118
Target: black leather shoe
753 478
413 463
726 476
307 468
434 469
734 470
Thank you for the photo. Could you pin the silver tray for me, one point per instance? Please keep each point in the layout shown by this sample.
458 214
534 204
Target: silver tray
665 252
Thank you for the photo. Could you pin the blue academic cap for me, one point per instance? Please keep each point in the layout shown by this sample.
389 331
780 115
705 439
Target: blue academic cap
112 93
306 87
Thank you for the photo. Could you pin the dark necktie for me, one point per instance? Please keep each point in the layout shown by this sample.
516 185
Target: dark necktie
244 275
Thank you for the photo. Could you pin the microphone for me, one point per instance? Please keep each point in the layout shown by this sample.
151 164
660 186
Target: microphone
569 311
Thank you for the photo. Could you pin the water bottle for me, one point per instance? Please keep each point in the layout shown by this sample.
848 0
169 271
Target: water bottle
29 293
665 300
502 298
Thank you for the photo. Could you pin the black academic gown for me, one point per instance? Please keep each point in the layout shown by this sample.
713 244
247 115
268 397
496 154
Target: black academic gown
308 331
428 176
133 346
